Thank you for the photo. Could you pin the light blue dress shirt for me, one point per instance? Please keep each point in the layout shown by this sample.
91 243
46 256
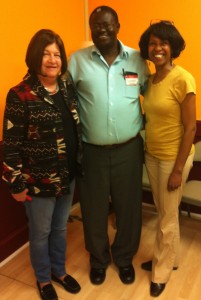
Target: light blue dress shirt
110 109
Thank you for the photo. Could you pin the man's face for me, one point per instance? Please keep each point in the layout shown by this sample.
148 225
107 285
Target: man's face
104 30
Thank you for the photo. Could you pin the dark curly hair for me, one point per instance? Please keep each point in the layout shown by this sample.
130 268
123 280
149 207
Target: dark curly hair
166 32
35 50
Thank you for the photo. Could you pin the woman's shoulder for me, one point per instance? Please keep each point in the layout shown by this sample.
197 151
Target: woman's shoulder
183 80
20 89
23 91
19 85
66 77
180 72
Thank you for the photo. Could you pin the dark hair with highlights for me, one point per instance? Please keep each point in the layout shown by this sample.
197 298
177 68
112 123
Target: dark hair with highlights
165 32
104 8
35 50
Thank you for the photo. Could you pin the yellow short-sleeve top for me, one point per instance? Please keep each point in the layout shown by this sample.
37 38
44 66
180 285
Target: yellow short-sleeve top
164 128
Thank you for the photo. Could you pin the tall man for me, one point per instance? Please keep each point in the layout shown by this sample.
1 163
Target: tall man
109 78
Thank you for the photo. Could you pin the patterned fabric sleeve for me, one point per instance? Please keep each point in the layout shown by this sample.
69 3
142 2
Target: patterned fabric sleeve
14 128
73 106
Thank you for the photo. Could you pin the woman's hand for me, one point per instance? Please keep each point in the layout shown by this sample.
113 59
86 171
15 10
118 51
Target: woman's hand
21 197
174 181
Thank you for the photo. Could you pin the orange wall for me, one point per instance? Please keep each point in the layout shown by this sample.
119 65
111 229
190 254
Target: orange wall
19 20
135 17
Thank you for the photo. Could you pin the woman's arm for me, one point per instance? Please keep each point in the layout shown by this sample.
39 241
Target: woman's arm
188 115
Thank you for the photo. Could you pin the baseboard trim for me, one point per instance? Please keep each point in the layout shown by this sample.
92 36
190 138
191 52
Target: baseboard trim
5 261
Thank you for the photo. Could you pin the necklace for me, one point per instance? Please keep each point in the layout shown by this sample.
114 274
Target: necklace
52 92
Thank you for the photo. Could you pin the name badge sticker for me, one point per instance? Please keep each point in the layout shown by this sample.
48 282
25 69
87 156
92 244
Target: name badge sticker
131 78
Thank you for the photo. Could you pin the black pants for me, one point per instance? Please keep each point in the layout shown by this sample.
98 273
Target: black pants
115 172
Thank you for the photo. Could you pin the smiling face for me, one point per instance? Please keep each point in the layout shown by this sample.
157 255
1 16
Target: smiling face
159 51
51 61
104 30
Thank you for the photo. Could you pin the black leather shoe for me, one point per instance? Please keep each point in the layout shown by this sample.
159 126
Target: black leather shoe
97 275
127 274
148 266
69 283
156 289
47 292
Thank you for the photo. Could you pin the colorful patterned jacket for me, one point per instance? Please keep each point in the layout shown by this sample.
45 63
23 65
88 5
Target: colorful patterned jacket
35 155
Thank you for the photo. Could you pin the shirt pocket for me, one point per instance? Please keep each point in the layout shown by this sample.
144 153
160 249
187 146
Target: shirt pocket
132 91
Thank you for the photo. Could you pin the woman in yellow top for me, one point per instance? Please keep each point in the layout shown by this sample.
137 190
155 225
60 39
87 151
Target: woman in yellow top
169 106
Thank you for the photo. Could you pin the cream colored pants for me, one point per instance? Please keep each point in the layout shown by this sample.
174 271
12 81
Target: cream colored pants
166 248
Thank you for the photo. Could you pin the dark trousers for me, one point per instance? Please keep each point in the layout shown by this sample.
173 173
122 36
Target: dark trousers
115 172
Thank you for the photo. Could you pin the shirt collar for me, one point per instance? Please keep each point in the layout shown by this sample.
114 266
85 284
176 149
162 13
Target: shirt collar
123 51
